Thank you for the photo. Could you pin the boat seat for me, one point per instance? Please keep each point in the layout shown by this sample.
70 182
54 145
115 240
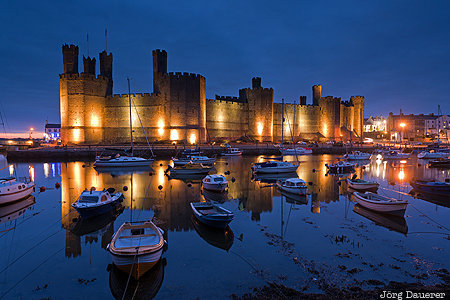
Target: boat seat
208 211
136 236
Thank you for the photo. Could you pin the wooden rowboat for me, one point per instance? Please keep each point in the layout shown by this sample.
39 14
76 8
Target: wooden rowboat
363 185
380 203
212 214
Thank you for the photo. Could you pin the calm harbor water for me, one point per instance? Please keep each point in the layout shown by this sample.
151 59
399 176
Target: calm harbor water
48 251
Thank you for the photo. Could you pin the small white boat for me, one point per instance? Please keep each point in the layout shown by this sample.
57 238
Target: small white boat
393 155
295 151
341 167
121 161
12 189
93 203
189 169
274 167
212 214
432 155
196 159
231 152
357 155
292 185
360 184
380 203
136 247
215 182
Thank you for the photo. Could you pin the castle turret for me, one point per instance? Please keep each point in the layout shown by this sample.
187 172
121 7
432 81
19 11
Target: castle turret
70 59
106 69
89 65
302 100
159 67
317 93
256 82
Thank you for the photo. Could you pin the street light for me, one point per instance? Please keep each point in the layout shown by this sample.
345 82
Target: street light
31 131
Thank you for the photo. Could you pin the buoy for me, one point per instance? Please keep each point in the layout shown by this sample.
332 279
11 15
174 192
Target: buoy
226 164
310 183
83 166
160 187
125 188
233 179
314 170
363 167
189 184
160 165
42 189
57 185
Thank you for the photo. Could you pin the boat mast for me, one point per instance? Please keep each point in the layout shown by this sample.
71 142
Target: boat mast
282 121
131 120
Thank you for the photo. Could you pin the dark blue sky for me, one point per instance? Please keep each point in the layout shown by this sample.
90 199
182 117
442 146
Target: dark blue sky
395 53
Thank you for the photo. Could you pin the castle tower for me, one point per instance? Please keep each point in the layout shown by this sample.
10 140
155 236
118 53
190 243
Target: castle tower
82 99
302 100
89 65
358 119
70 59
317 93
106 69
159 67
256 82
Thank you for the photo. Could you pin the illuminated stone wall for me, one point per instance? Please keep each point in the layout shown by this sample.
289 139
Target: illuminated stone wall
179 111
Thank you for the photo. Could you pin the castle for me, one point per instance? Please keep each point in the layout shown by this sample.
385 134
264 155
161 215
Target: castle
178 110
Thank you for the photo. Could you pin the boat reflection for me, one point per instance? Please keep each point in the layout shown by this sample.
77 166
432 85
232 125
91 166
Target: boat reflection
188 178
439 200
124 171
123 286
82 226
394 223
13 211
272 178
294 198
219 238
214 196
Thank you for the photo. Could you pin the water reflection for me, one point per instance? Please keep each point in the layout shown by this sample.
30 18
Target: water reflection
15 210
222 239
395 223
123 287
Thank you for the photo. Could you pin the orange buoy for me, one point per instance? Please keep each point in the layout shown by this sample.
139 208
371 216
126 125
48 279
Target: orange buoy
57 185
125 188
42 189
160 187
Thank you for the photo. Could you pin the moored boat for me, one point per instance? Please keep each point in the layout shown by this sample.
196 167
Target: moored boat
363 185
136 247
189 169
432 187
439 163
380 203
393 155
231 152
212 214
295 151
121 161
357 155
292 185
274 167
196 159
341 167
12 189
432 154
215 182
93 203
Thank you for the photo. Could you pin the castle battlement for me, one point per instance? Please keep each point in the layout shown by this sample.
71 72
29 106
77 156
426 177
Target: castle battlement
183 75
70 47
347 103
82 76
228 98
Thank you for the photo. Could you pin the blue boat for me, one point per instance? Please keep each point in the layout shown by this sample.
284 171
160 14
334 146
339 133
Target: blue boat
437 188
93 203
212 214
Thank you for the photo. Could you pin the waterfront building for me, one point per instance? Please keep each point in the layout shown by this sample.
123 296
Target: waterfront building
52 132
415 127
179 111
375 124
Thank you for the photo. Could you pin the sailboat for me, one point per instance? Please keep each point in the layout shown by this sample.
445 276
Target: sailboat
123 161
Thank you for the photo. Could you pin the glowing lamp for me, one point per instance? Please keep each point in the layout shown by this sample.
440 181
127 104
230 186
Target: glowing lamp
402 125
174 135
260 128
160 127
193 138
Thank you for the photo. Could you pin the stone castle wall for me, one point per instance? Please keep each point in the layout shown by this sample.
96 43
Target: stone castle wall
178 110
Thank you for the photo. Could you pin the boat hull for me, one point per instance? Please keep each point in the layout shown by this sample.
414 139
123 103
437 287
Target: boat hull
138 265
89 212
190 172
123 164
300 151
358 157
393 208
216 187
232 154
15 196
203 161
442 191
275 170
217 221
432 155
370 186
293 190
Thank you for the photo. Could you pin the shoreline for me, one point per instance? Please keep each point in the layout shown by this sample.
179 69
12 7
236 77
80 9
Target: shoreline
74 153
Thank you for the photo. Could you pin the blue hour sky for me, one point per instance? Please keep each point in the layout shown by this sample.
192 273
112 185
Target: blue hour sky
395 53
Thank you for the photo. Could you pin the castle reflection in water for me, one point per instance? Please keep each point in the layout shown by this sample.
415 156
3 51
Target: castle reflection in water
169 199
